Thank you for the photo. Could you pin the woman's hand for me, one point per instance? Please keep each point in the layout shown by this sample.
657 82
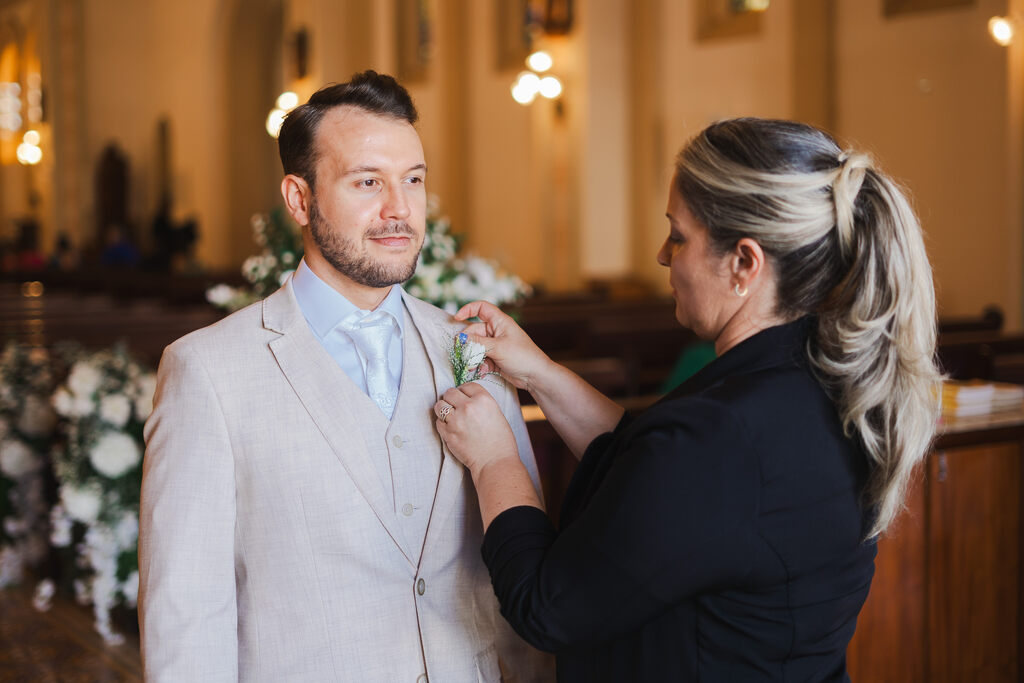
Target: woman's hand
474 428
510 351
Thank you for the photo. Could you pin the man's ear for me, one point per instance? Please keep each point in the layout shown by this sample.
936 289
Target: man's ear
297 198
747 262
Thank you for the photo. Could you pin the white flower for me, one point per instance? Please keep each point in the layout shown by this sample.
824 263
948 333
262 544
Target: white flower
283 277
127 530
84 379
60 527
43 595
17 459
82 503
130 589
145 389
220 295
72 405
83 591
474 353
37 418
62 402
114 453
115 409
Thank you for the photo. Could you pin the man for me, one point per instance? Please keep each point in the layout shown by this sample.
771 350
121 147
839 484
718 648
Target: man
301 519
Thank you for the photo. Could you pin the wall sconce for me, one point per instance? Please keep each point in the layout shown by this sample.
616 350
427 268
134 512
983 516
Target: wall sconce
530 83
1002 30
286 101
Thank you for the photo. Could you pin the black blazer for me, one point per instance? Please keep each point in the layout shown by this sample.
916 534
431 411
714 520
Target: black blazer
716 537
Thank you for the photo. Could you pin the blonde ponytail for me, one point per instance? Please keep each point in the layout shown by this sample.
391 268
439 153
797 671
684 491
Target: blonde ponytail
847 248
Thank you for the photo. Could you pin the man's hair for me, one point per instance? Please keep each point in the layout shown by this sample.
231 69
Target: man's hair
370 91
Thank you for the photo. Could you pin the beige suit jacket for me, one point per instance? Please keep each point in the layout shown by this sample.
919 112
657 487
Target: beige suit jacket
268 549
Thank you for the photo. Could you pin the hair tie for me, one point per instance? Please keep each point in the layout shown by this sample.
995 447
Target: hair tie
846 184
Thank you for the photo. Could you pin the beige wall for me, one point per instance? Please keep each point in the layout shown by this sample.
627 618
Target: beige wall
928 93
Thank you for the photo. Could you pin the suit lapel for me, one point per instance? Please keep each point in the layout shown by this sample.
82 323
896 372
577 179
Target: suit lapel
437 334
322 387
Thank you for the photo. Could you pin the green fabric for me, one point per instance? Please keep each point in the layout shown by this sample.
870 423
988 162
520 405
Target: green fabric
690 361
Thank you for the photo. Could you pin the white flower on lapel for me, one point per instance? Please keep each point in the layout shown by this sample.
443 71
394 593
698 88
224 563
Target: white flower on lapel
466 357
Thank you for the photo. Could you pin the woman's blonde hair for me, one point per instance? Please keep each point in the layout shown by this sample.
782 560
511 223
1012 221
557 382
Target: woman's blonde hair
847 248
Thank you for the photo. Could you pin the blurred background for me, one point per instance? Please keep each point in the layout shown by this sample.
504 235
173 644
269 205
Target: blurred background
145 123
139 171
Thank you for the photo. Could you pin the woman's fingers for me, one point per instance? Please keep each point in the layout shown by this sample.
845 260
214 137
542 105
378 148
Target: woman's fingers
484 310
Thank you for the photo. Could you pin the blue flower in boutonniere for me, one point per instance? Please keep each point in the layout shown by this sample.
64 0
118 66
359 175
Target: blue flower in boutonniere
466 357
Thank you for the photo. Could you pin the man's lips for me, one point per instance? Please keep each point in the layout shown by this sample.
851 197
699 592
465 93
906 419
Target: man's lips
392 240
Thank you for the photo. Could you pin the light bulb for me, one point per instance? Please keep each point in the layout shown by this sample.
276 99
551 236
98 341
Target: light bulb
29 154
274 120
550 87
523 95
287 100
1001 29
31 137
539 61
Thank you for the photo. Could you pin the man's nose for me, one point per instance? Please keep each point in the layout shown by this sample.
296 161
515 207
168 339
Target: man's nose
396 204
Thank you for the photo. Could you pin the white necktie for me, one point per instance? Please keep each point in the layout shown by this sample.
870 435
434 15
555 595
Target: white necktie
372 336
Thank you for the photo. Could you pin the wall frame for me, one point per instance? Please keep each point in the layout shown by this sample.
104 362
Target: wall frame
897 7
412 40
718 19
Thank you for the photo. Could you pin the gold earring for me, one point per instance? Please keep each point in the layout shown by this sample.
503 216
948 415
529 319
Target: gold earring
739 292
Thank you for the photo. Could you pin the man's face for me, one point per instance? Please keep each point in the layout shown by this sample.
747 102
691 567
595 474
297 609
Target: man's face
367 214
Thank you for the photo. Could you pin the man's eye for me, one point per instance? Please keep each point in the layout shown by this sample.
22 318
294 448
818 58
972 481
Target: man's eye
368 182
414 180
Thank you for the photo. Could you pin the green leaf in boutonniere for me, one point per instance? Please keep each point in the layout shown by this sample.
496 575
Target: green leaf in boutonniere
466 357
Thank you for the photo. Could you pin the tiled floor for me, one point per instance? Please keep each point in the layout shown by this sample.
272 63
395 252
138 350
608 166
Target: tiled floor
60 645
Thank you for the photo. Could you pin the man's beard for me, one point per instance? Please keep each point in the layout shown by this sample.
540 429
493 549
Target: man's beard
347 257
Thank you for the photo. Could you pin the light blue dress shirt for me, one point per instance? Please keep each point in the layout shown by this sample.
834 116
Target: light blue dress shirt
324 307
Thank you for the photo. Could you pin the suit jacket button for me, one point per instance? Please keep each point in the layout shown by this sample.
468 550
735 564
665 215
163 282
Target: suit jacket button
397 440
422 678
421 586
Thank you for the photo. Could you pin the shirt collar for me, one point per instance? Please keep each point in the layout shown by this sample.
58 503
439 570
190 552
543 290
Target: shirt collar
324 307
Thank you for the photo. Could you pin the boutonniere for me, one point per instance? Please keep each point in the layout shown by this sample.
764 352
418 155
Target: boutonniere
466 357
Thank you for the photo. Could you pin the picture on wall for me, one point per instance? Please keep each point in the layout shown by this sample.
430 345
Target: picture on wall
895 7
717 19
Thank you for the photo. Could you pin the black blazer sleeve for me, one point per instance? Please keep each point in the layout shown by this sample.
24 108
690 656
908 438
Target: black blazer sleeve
673 516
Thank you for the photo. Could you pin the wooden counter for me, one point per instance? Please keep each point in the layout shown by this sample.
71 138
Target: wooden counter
947 600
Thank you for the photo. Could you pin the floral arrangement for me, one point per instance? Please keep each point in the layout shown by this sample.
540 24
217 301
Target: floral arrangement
442 277
27 425
466 357
102 405
280 242
449 281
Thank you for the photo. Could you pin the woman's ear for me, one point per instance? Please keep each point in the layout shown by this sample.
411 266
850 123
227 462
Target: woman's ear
746 262
297 198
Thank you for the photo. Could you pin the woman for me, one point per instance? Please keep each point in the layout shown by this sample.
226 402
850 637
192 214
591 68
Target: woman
727 533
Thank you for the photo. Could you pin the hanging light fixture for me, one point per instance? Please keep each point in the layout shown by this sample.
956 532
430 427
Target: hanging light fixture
286 101
530 83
